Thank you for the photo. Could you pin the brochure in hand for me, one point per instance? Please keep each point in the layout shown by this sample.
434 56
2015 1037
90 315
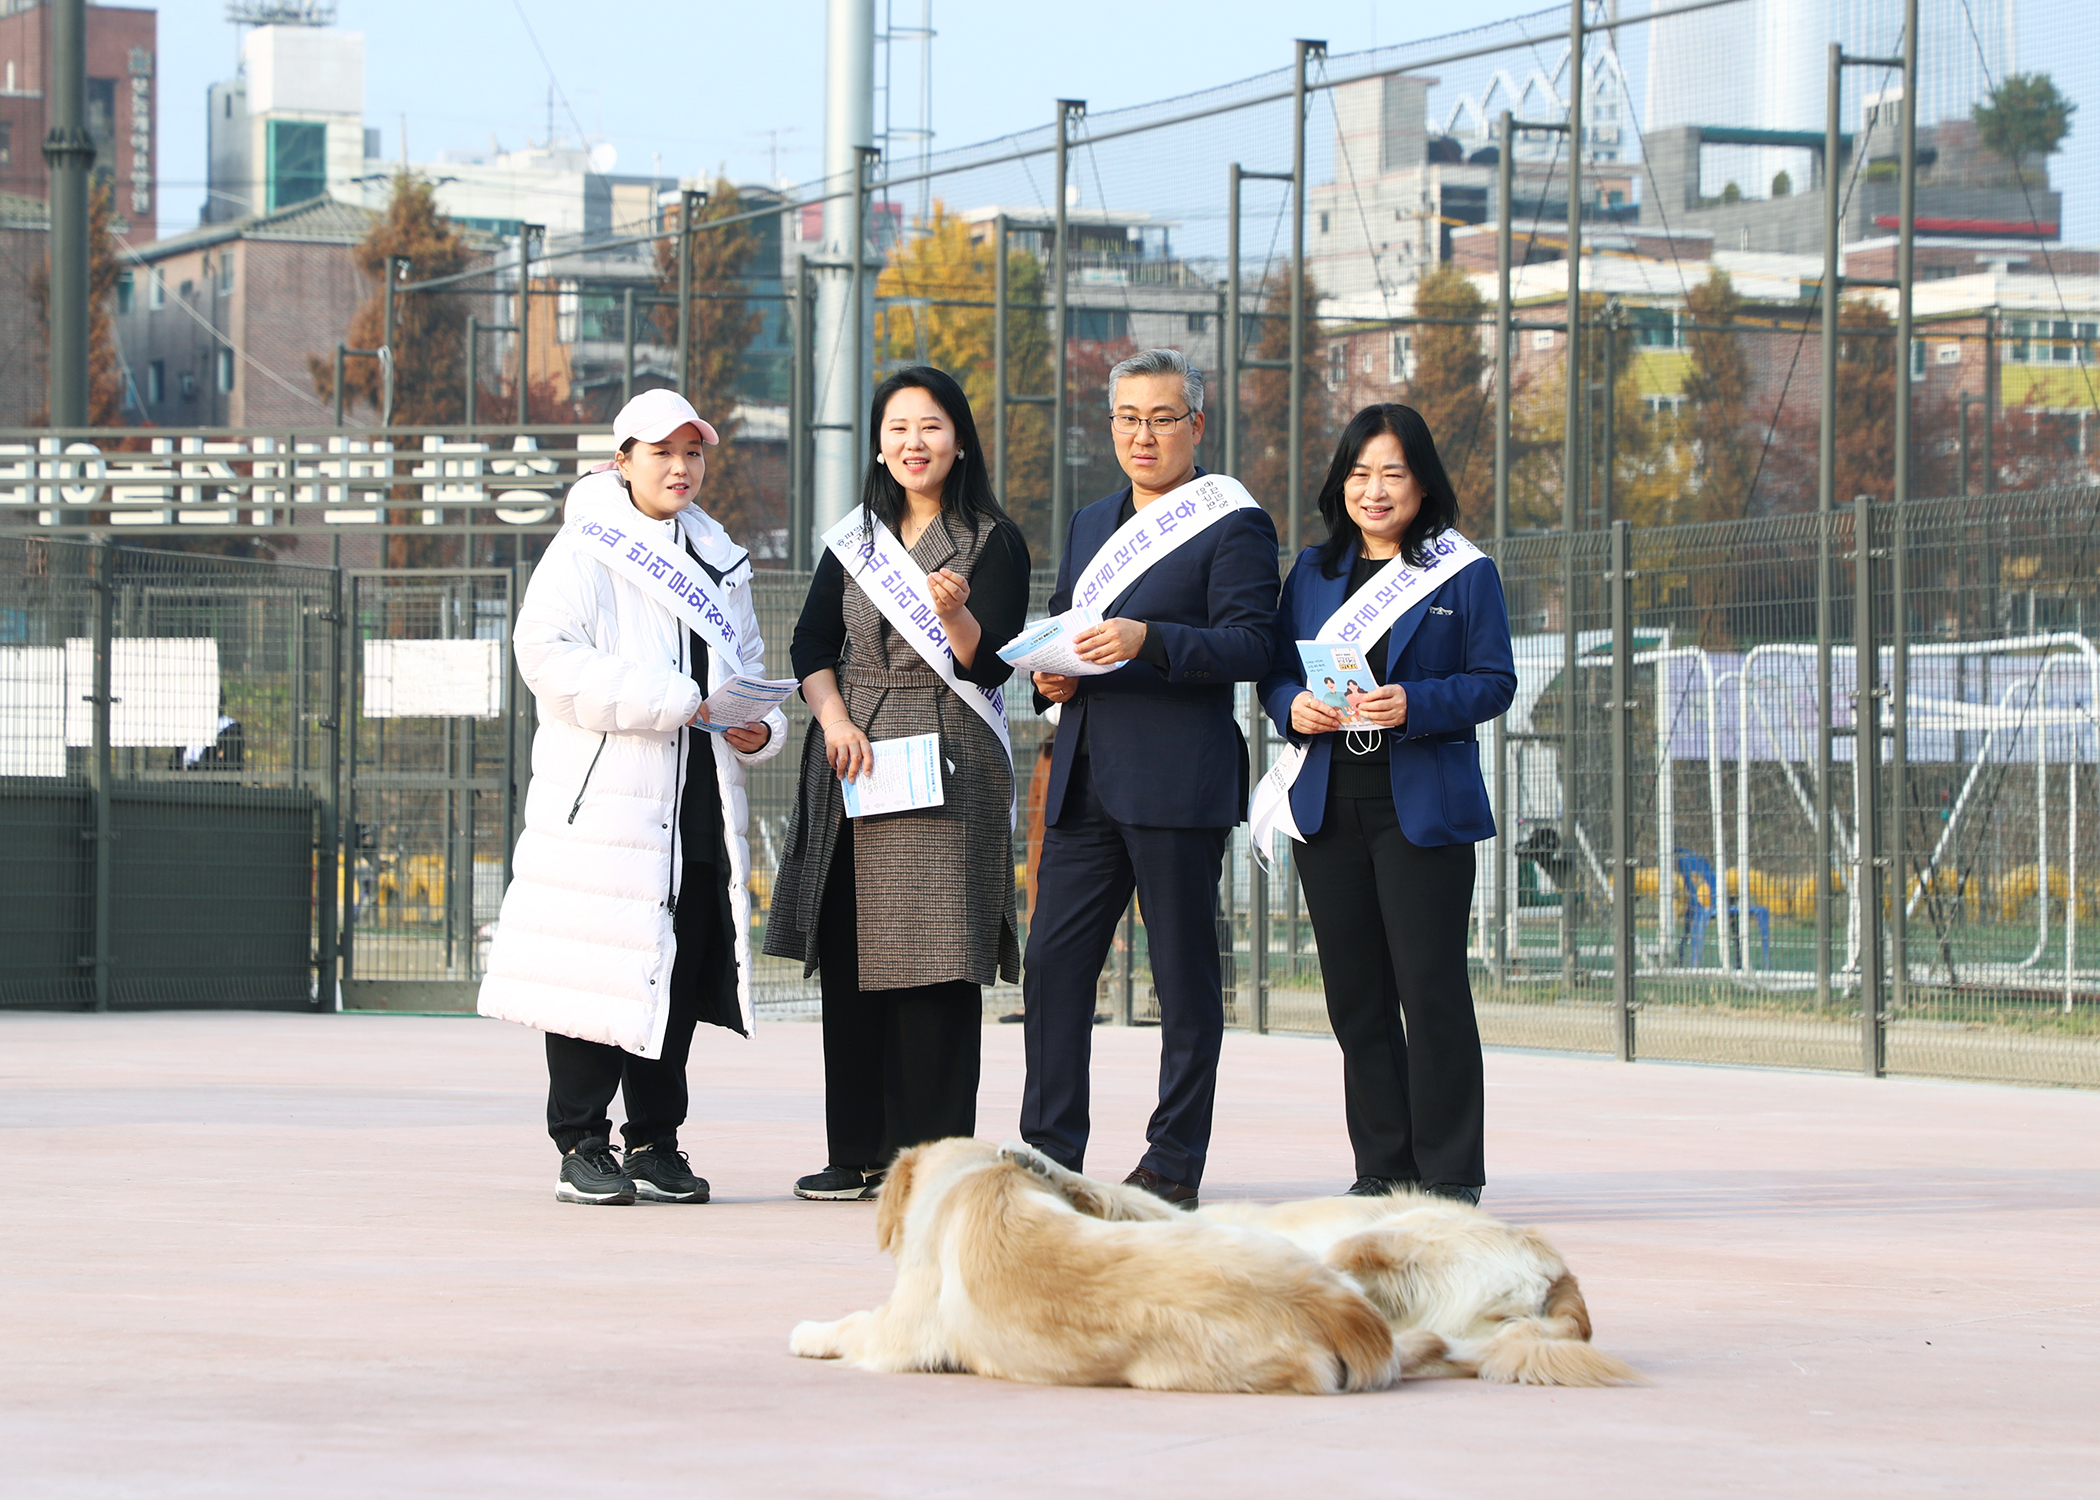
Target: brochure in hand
1046 646
907 774
744 700
1333 672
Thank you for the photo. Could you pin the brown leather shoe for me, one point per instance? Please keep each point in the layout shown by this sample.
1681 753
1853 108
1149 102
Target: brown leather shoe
1179 1194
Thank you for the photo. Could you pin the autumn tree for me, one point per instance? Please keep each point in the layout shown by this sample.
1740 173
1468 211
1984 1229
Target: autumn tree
1717 401
105 382
1450 387
1265 412
429 343
1866 401
2024 116
722 326
945 264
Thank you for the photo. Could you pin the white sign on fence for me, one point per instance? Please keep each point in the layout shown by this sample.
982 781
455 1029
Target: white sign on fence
433 679
163 692
32 711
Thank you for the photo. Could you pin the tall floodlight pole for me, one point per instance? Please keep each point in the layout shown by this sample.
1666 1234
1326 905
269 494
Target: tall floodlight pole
68 153
849 109
1826 504
1069 113
859 292
1571 494
1294 488
1899 666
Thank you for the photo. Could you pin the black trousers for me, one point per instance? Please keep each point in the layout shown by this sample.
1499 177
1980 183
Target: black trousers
1390 917
583 1076
900 1066
1090 865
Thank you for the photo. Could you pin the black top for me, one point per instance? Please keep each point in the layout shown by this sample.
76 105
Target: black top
1355 772
700 807
998 602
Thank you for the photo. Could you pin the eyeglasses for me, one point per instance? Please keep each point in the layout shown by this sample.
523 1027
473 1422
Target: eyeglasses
1126 424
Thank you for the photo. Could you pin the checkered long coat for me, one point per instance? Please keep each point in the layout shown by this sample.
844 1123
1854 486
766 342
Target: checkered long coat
934 887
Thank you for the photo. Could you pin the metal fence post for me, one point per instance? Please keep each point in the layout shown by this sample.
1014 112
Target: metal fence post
473 368
100 770
1498 734
1866 787
330 875
1895 833
1572 506
1294 447
1257 877
1624 952
1229 351
1001 293
626 345
802 508
1069 111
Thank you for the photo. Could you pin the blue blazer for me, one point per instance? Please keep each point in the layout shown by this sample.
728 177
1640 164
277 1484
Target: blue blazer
1451 654
1166 749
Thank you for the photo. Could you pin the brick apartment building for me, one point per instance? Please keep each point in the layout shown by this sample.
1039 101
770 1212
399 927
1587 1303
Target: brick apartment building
216 325
121 87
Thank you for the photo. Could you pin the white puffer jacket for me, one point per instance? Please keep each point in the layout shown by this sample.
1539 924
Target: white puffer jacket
585 944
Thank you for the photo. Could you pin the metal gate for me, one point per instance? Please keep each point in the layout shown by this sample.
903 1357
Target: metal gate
434 763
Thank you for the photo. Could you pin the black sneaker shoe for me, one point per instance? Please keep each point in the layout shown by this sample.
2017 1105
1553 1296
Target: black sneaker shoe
661 1174
840 1184
591 1174
1180 1194
1457 1192
1382 1187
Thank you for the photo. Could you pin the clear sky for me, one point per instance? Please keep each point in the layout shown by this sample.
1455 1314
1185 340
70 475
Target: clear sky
707 86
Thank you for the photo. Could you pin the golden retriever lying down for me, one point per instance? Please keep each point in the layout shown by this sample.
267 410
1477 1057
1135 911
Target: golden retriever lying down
1500 1301
1004 1269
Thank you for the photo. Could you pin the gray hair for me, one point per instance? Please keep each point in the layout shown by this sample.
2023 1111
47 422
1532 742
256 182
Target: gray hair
1160 362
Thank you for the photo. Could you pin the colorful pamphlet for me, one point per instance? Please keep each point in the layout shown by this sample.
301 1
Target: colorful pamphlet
1332 673
1046 646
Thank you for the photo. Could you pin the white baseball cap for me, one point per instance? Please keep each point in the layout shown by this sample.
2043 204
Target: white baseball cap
655 415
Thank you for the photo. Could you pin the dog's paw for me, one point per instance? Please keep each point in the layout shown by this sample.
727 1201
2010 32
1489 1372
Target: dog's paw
815 1341
1026 1157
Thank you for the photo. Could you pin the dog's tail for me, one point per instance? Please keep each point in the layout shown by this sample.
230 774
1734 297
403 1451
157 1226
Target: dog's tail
1552 1349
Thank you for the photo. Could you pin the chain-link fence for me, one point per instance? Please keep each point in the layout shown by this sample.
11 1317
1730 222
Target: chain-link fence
165 769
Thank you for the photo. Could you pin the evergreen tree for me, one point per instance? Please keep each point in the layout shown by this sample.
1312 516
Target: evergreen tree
2024 116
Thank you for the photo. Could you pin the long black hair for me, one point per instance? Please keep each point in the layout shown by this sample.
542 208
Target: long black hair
1439 512
967 495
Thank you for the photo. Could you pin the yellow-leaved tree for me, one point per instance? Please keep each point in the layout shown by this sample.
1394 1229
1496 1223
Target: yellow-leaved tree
925 280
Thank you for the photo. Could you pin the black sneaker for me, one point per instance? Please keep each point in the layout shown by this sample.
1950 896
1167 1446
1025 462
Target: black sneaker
1382 1187
591 1174
840 1184
662 1175
1457 1192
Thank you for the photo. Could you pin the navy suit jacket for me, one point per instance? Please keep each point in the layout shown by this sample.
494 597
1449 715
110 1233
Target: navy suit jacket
1166 749
1451 654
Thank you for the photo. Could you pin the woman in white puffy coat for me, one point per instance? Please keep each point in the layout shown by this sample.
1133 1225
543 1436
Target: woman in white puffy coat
627 919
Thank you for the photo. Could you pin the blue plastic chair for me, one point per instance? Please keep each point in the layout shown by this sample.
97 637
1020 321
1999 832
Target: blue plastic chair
1696 872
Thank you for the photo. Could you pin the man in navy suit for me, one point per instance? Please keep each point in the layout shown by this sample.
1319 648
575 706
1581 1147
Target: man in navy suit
1148 775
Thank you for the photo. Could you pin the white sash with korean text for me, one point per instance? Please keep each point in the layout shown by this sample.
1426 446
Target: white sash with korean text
874 558
666 576
1174 520
1385 599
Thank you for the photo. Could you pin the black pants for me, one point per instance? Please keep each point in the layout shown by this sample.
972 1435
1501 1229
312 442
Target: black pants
900 1066
583 1076
1390 917
1090 865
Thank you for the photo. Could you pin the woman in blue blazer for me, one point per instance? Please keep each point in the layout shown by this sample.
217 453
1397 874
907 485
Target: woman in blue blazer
1390 813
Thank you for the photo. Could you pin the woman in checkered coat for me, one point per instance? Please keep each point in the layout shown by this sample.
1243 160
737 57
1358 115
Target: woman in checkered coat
908 915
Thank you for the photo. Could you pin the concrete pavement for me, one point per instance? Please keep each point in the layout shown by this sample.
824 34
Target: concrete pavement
267 1255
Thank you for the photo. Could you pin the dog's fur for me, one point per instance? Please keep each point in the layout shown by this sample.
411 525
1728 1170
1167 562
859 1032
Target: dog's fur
1006 1269
1499 1302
